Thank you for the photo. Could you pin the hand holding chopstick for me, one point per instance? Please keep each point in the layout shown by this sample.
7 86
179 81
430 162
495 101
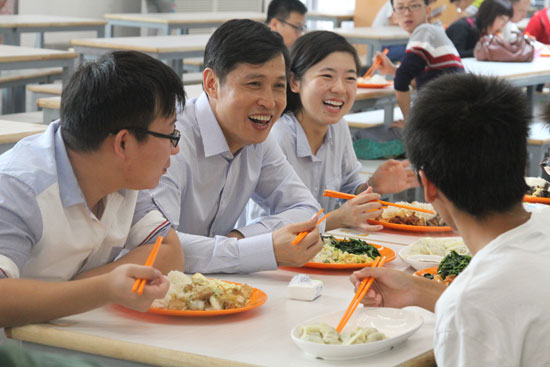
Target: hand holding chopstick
360 294
139 284
302 235
341 195
375 65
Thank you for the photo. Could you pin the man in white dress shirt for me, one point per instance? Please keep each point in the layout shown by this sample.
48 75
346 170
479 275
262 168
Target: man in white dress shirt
227 157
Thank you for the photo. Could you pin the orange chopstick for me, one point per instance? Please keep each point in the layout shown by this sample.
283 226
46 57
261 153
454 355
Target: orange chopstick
302 235
375 65
360 294
342 195
139 284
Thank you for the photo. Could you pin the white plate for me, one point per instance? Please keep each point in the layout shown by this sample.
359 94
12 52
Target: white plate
416 264
396 324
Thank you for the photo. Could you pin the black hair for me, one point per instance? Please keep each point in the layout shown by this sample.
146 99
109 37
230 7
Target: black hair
281 9
242 41
468 134
490 10
307 51
426 2
123 89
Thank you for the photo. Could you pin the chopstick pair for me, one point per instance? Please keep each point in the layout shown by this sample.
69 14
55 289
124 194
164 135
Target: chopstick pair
139 284
342 195
360 294
375 65
302 235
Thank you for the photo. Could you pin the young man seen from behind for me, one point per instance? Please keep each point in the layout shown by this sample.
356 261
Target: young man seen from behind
70 230
467 136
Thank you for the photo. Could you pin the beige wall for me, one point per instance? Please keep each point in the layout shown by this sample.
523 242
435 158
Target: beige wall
365 11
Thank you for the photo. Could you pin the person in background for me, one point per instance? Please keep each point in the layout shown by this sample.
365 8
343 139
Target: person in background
491 19
511 31
316 139
469 8
539 26
160 6
288 18
228 157
70 230
7 7
494 313
429 52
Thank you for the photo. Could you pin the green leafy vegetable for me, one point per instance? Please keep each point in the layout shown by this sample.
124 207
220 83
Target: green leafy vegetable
354 246
453 264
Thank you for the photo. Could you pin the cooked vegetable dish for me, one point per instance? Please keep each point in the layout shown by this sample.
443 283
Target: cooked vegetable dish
348 251
451 265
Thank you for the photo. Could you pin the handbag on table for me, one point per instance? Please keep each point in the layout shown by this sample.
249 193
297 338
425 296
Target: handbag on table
495 48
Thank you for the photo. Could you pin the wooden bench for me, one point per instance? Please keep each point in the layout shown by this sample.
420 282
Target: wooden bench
193 64
38 91
11 132
14 97
50 107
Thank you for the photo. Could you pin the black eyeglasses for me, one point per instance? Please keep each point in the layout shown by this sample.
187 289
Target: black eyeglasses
174 137
412 8
301 28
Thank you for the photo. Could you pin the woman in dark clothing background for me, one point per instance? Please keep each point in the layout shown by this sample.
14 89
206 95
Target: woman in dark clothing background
491 18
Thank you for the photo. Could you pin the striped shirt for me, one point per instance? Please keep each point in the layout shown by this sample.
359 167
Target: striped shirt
429 54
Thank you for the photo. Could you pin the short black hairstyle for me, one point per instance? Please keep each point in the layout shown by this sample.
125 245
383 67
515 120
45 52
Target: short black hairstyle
242 41
490 10
468 134
123 89
307 51
426 2
281 9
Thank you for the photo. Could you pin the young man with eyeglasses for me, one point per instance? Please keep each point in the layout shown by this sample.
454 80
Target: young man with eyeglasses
228 157
429 54
70 230
288 18
467 135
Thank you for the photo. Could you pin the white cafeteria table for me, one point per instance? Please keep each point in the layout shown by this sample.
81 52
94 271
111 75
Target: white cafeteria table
256 337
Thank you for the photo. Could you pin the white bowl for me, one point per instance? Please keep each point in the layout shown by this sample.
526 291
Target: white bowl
395 323
419 262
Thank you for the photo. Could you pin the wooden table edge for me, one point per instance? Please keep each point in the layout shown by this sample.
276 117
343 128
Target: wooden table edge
51 336
114 46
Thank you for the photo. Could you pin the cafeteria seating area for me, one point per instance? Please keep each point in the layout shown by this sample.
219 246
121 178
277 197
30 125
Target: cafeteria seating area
43 44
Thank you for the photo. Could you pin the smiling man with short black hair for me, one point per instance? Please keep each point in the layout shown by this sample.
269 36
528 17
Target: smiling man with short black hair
227 157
